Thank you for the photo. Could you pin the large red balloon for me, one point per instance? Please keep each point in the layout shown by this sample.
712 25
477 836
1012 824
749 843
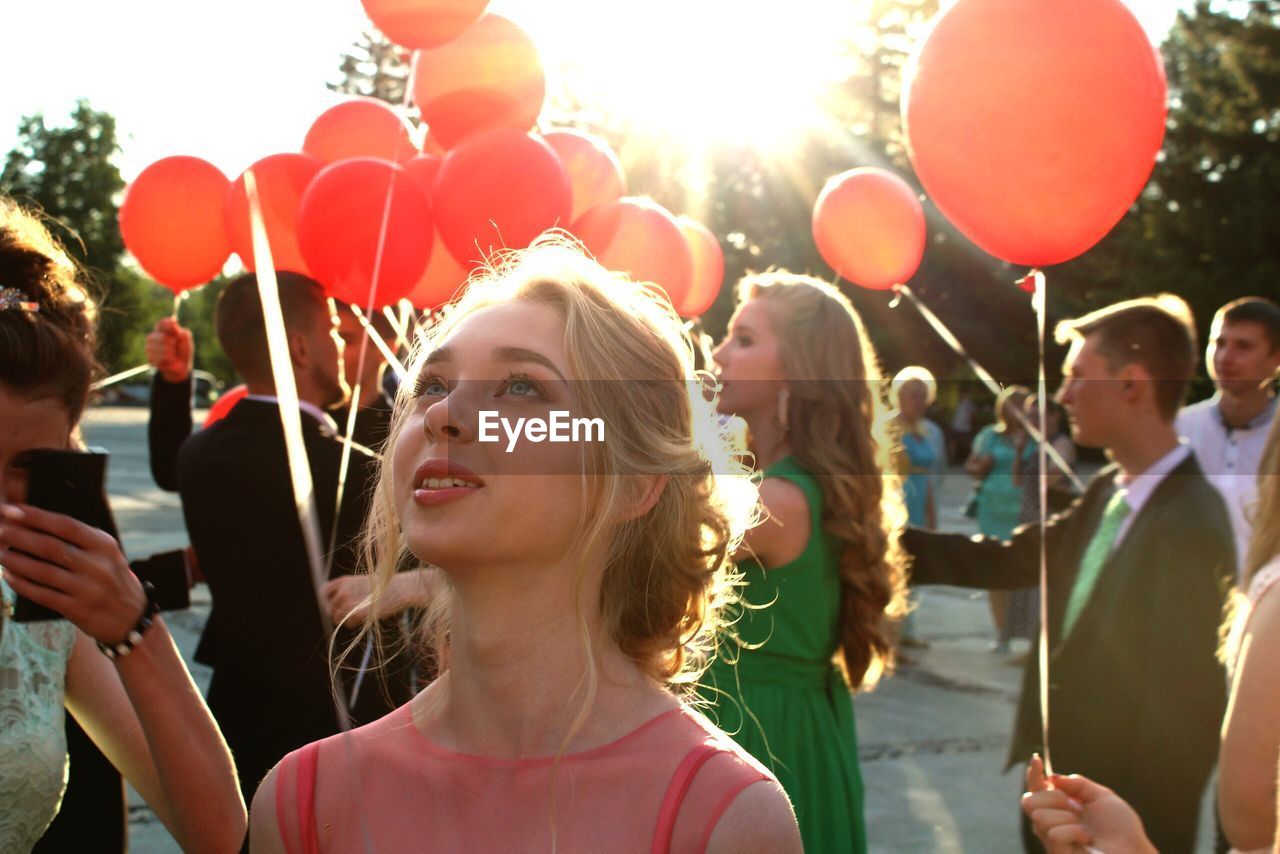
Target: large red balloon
490 76
499 189
594 170
340 231
869 227
360 127
443 276
281 180
423 23
642 239
708 267
172 221
424 169
1034 124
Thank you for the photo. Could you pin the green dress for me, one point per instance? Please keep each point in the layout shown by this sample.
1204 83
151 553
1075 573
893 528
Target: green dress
784 699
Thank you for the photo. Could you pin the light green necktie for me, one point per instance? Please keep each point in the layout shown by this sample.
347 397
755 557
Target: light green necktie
1095 556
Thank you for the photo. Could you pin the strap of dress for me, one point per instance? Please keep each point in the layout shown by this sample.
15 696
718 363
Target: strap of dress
1262 580
306 760
680 783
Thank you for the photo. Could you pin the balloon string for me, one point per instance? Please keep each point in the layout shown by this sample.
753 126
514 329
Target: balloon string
1042 392
178 300
988 380
290 412
392 360
344 466
118 378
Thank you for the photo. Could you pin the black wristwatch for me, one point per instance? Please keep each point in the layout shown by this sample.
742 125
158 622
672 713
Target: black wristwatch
120 650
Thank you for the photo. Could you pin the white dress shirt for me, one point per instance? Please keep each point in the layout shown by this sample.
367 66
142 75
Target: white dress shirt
1137 489
1230 458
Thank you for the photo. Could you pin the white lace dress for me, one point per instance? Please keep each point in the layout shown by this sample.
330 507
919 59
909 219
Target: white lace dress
33 747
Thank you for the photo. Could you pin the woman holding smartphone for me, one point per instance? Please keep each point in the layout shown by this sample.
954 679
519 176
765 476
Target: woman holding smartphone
112 664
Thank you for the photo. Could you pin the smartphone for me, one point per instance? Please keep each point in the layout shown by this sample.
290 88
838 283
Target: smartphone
72 483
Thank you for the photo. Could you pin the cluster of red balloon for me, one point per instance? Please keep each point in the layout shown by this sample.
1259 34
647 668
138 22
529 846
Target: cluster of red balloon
1032 127
377 216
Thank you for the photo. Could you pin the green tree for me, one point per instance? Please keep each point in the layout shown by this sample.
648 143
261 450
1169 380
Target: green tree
1208 225
69 173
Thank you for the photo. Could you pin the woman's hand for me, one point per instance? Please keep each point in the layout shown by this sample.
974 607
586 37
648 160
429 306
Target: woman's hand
346 596
979 466
1074 814
72 568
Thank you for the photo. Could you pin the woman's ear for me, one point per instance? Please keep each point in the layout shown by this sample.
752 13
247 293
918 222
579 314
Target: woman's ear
649 490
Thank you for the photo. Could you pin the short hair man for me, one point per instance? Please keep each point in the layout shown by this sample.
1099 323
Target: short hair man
1137 572
1228 431
271 688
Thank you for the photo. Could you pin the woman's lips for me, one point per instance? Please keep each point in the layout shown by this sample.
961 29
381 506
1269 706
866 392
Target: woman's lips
441 481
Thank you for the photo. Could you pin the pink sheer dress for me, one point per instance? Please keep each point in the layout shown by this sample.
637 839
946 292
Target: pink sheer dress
386 788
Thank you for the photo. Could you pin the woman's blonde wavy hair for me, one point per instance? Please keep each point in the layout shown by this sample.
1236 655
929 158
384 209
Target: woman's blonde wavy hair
1264 545
837 430
666 573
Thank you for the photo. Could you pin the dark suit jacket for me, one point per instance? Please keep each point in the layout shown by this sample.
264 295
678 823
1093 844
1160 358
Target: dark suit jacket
271 686
1136 695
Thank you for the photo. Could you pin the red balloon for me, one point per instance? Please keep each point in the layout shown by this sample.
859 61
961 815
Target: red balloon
869 227
499 189
594 170
490 76
281 180
443 276
360 127
1034 125
340 231
424 169
642 239
708 267
225 403
423 23
171 220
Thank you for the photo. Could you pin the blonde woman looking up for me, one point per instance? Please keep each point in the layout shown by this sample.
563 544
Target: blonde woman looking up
578 586
824 572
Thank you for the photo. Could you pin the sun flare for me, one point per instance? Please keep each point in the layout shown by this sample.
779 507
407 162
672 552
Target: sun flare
697 72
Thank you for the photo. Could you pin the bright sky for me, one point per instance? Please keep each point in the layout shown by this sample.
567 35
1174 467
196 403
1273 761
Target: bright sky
236 80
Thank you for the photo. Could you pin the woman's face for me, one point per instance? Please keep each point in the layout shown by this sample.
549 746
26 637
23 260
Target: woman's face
463 499
749 364
913 400
28 425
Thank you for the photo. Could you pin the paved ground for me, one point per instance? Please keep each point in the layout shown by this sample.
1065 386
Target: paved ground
932 737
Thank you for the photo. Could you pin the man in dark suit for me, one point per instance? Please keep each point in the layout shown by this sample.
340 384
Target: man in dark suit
271 690
1138 569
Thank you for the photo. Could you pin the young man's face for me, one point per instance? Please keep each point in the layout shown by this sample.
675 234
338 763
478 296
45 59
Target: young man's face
1093 395
1240 356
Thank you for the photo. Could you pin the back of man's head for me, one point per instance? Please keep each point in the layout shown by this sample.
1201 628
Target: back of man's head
1259 310
1156 333
242 331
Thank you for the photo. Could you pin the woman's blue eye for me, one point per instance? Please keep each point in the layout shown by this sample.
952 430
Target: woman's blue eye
432 387
520 387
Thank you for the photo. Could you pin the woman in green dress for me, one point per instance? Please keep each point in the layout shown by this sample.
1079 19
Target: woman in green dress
824 572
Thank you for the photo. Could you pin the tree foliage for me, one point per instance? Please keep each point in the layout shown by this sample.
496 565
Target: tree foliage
68 173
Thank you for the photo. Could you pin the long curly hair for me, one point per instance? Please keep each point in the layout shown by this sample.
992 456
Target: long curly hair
667 572
838 431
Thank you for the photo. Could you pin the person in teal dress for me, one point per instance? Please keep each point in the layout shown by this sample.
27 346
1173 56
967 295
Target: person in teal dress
823 573
1000 451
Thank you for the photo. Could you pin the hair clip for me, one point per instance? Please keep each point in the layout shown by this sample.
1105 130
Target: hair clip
12 298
